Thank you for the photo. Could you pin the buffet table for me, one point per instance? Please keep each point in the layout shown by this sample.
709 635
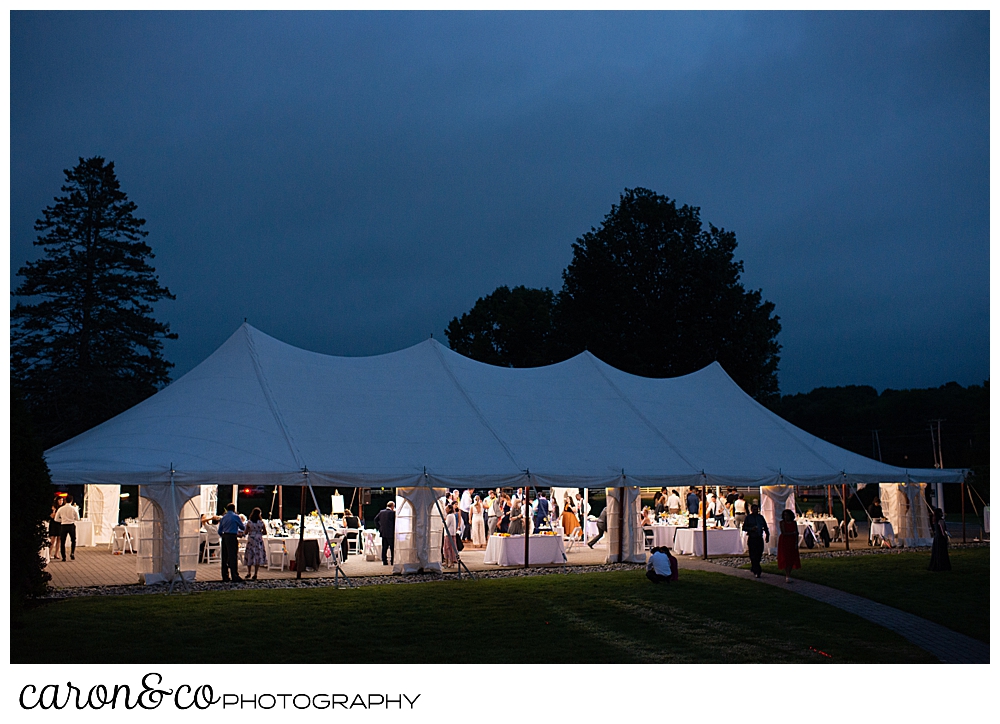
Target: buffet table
509 551
721 541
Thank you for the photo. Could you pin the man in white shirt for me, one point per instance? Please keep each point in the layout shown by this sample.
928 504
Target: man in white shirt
66 516
674 503
658 566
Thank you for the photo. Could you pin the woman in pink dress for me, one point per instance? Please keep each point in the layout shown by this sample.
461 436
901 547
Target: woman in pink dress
788 544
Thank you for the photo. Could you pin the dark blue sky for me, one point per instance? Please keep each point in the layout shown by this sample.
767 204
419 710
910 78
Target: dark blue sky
350 182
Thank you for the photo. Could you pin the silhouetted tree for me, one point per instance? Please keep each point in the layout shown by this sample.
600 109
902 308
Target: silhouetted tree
88 347
509 328
30 498
654 293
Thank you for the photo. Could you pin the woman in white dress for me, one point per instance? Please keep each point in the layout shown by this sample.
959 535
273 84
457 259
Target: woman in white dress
478 524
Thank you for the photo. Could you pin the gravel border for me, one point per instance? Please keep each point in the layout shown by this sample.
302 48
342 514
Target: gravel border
326 582
359 581
740 561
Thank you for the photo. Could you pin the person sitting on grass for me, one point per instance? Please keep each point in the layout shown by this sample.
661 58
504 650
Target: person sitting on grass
658 566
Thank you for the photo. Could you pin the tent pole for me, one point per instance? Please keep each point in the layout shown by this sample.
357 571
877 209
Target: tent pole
704 519
302 531
525 510
236 490
281 504
963 510
847 525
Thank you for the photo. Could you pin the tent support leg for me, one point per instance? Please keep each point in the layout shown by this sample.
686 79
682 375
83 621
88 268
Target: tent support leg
621 522
458 556
337 570
281 504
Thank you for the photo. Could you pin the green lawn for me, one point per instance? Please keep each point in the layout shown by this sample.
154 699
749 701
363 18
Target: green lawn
959 599
594 617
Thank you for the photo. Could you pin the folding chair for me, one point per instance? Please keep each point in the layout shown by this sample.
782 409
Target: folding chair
276 552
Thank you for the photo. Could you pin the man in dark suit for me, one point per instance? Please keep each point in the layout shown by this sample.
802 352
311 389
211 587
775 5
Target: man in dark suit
385 521
541 511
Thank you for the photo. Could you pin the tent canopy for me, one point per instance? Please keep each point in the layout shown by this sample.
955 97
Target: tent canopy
261 411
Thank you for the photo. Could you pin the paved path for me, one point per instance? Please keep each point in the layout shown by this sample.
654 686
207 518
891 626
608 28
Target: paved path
950 647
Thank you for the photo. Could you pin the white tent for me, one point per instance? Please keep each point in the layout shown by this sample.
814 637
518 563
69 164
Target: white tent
906 510
259 411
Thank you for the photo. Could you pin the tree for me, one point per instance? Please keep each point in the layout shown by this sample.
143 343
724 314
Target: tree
30 497
509 328
654 293
88 348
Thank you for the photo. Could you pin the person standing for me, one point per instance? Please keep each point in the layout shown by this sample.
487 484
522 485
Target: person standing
478 524
740 510
494 515
602 527
230 528
255 555
673 503
541 510
66 517
449 551
582 509
755 526
788 544
385 521
465 505
939 547
692 502
54 531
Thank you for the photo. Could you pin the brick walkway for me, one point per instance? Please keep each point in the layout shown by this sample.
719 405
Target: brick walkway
950 647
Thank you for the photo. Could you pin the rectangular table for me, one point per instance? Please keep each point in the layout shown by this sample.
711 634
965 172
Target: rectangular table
721 541
510 551
664 535
85 533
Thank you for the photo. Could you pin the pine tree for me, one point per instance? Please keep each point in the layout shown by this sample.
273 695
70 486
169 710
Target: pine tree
88 348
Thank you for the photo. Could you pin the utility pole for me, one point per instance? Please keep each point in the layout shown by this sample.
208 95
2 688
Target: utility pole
876 446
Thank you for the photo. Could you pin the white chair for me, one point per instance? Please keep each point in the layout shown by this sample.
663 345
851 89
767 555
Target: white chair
213 542
573 538
336 543
647 535
276 552
121 540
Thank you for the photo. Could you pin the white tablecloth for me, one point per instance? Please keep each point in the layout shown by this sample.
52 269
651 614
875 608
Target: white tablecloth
721 541
85 532
882 529
664 535
591 529
510 551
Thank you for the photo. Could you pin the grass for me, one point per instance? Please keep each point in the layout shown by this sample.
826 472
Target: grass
959 599
616 617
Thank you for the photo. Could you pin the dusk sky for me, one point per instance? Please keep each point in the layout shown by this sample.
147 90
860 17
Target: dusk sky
349 182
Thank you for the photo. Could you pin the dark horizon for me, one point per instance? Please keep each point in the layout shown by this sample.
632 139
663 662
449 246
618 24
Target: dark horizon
350 182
